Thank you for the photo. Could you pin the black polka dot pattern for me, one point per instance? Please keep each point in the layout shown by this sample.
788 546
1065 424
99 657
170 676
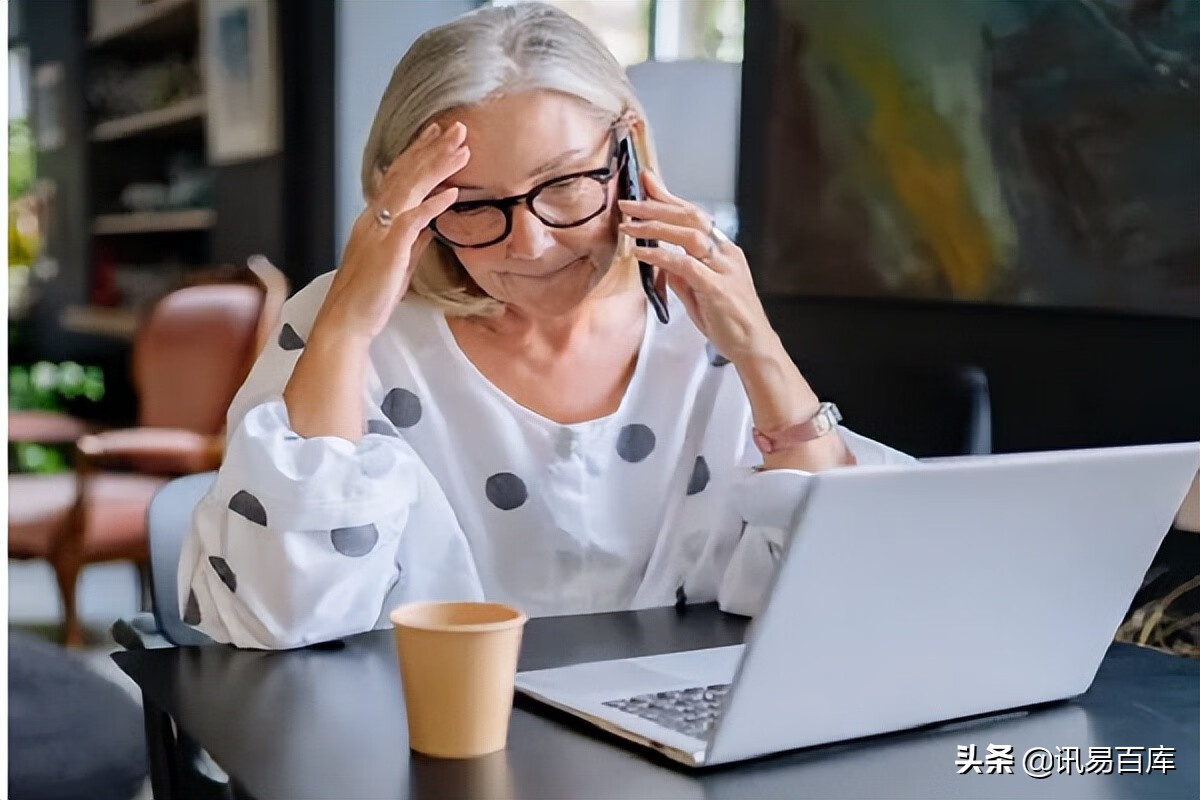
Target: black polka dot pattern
506 491
402 407
700 477
221 567
356 541
289 339
247 505
381 427
680 597
635 442
715 358
191 611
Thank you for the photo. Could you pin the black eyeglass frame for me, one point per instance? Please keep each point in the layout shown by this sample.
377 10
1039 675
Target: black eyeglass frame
602 175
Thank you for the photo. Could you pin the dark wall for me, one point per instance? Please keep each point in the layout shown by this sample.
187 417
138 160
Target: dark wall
248 197
1058 378
307 30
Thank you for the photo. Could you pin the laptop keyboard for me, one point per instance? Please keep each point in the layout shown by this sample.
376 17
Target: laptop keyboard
692 712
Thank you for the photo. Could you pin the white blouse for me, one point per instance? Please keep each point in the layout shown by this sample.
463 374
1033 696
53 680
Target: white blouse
457 492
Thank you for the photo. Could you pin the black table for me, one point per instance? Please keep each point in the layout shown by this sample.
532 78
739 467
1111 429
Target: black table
325 723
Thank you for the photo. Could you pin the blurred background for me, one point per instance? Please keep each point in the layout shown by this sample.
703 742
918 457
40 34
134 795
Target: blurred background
974 225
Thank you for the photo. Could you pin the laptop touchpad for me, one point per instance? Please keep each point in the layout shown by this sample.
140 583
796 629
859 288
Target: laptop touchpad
606 680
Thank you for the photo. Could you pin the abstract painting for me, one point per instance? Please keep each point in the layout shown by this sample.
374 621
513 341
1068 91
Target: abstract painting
1042 152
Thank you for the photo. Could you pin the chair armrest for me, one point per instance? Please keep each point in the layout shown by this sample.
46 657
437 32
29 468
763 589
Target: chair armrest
154 451
139 632
45 427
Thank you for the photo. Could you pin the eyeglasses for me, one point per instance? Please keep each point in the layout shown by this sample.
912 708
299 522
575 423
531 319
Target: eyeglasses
563 202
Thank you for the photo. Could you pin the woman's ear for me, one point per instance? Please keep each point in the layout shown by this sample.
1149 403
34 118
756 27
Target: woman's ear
376 180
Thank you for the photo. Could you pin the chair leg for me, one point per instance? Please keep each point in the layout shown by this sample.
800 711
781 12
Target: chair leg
145 586
161 749
66 556
66 573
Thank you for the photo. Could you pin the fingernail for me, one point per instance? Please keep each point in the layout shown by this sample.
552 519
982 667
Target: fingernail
430 132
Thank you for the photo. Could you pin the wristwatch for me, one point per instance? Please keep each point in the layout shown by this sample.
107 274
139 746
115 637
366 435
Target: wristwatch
819 424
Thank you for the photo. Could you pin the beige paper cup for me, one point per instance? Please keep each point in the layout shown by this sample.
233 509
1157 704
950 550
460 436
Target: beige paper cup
458 663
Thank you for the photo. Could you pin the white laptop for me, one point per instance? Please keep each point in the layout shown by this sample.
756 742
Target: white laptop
908 595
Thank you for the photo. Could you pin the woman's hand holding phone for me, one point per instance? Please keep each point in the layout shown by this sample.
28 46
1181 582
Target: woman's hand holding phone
629 187
709 273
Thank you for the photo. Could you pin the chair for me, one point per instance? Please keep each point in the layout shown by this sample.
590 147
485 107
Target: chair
190 355
925 410
168 520
178 766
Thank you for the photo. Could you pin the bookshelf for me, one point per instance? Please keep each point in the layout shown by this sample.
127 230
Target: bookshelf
197 219
118 22
149 185
159 121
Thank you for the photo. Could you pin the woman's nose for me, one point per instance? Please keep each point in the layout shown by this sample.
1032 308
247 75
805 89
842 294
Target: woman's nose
530 237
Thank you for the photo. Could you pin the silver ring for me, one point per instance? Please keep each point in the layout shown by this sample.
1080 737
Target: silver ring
716 234
715 239
383 217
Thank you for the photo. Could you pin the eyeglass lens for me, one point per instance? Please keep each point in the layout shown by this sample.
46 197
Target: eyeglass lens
561 204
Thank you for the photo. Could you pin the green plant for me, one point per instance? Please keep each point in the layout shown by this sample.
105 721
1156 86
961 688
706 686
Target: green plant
46 386
21 161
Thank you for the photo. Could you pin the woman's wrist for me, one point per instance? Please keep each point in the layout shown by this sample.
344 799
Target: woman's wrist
778 393
780 397
322 395
328 332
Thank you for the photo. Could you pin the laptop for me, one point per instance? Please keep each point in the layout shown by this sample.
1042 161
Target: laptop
907 595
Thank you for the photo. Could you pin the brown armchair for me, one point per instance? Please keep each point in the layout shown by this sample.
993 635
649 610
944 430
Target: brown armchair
190 355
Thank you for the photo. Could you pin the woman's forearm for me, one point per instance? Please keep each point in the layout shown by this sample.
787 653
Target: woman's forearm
780 396
324 395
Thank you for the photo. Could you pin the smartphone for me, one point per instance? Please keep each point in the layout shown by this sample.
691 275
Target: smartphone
629 187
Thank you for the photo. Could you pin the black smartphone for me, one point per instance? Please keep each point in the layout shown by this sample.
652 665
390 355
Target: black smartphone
629 187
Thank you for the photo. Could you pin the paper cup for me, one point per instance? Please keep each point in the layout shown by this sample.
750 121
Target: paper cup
458 663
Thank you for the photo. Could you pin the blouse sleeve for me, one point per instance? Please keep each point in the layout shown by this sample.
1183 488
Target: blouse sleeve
768 501
298 541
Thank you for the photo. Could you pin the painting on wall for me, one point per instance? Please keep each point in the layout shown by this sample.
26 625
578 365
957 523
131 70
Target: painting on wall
1039 152
242 73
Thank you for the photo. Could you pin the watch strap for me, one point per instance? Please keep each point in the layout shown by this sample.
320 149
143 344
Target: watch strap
816 426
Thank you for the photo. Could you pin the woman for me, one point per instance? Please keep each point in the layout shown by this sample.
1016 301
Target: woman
477 402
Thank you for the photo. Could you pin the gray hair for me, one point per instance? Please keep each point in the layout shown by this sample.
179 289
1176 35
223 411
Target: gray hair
485 53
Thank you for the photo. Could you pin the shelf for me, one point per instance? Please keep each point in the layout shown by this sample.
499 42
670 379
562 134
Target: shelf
162 19
196 219
157 121
121 323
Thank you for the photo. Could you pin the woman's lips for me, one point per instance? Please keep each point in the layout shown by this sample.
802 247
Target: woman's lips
548 275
